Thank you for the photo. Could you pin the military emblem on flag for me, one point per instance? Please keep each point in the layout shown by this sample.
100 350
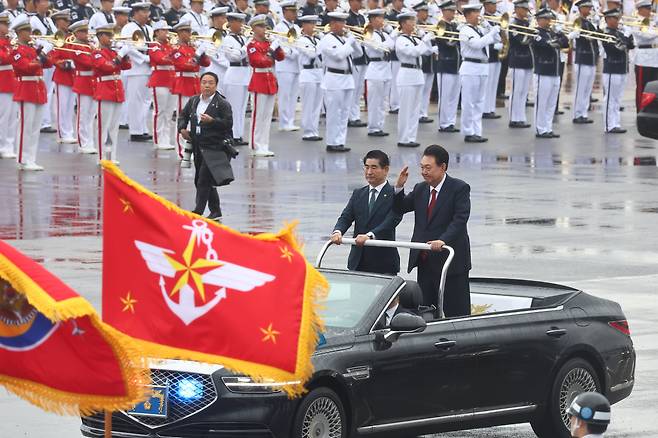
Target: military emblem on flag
186 287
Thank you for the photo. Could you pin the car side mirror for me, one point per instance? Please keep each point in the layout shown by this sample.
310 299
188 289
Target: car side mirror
404 323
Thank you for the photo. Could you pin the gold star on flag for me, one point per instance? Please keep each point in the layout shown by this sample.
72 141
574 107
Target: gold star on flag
128 303
286 253
191 269
127 206
270 334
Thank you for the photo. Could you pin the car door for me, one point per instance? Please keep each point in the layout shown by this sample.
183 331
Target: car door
515 356
414 377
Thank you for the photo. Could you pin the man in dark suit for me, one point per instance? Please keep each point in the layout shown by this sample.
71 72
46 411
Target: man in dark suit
370 209
210 132
441 205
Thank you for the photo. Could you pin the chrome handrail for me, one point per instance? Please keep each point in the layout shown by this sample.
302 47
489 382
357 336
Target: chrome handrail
399 244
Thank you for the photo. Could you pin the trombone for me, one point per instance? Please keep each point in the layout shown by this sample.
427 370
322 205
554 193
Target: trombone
590 34
504 23
216 38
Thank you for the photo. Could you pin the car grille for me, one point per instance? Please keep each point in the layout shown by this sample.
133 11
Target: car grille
179 408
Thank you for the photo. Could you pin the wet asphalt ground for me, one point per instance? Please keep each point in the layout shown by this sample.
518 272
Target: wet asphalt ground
581 210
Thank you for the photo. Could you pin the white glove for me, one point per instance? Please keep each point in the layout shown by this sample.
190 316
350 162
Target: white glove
388 28
394 34
200 51
428 37
494 29
435 50
275 44
46 47
538 38
558 28
123 51
498 46
574 35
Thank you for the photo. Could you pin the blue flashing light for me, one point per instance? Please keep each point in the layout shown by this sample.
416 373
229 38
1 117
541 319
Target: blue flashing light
189 390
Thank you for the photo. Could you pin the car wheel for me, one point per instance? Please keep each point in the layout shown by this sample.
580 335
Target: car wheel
575 377
320 415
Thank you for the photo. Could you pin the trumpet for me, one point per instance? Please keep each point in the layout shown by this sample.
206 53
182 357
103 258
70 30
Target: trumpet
216 38
577 26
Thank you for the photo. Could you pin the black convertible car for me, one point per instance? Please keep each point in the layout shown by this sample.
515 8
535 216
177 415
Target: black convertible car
526 351
647 115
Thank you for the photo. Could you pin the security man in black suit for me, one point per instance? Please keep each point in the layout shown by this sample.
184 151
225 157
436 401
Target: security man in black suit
211 122
370 209
442 206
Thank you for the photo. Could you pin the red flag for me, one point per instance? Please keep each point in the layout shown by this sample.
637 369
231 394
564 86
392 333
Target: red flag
191 288
55 351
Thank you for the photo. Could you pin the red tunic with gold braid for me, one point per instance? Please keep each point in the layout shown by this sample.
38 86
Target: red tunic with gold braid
162 63
64 66
7 78
261 59
107 67
84 81
28 65
186 82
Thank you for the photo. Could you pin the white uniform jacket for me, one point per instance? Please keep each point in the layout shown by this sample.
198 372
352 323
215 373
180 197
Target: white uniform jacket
379 67
310 64
139 59
475 46
409 50
290 63
337 54
235 50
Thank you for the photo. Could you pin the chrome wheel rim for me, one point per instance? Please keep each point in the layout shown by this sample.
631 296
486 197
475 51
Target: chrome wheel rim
577 381
322 420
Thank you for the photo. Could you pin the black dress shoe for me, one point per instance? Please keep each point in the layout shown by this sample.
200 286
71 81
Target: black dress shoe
617 131
582 121
378 134
518 125
558 112
530 104
425 120
393 111
147 136
554 135
450 128
337 148
544 135
240 142
48 130
411 144
502 96
312 138
356 124
214 216
127 127
491 115
593 99
475 139
139 137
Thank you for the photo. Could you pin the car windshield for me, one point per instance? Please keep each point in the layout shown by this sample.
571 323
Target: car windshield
350 296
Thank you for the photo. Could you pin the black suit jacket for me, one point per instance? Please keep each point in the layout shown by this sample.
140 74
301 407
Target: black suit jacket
447 223
382 222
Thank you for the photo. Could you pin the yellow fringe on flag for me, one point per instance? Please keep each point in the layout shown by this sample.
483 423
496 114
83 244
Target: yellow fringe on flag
315 288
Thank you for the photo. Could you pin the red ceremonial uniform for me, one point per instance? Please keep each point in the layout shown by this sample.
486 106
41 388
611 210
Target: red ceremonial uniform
261 59
83 83
108 82
186 82
162 63
64 66
7 78
29 75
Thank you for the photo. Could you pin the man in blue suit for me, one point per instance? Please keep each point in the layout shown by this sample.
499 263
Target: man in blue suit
442 206
370 209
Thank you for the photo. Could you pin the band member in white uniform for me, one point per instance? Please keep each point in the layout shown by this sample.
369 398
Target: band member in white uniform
447 70
615 70
586 53
358 20
102 17
196 18
218 61
474 44
646 51
337 48
427 64
42 24
238 74
409 49
310 78
556 8
138 95
287 71
396 7
546 47
378 74
520 65
490 8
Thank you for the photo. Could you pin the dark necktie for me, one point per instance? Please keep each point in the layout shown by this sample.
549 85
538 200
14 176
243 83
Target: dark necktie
373 198
430 207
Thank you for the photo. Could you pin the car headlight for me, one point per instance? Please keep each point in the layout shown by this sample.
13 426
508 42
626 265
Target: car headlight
246 385
189 389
